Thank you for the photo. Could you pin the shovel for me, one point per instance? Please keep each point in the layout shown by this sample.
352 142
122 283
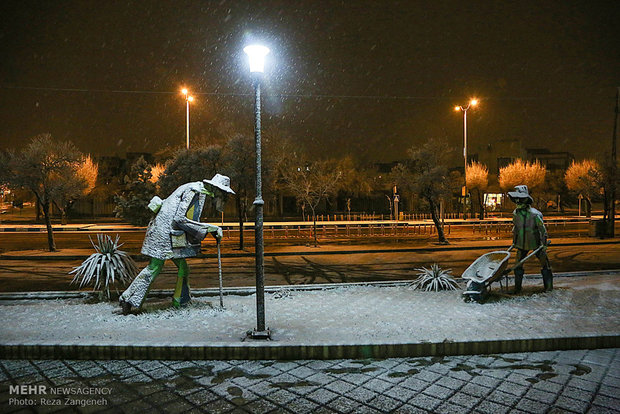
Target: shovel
219 264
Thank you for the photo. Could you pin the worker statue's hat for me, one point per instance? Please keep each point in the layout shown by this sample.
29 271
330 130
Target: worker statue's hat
220 181
520 191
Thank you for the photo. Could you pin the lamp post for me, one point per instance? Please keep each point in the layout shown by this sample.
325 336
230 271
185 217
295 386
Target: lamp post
188 99
256 54
471 103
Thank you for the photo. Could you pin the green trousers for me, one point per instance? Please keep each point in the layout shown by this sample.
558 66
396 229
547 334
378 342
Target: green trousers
137 291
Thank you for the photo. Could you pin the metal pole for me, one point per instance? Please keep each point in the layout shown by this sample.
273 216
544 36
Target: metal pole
465 158
187 123
219 265
612 210
258 226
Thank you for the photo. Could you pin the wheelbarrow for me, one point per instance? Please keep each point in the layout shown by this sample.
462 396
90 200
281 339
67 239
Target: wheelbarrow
489 268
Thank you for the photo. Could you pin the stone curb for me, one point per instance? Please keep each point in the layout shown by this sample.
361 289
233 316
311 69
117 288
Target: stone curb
272 351
250 290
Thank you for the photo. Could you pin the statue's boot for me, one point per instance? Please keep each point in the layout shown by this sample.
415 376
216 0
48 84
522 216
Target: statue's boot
135 294
547 277
519 279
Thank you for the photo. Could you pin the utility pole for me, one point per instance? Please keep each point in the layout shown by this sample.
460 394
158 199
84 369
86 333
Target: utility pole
613 172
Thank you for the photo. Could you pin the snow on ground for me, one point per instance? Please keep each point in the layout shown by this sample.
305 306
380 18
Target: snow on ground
346 315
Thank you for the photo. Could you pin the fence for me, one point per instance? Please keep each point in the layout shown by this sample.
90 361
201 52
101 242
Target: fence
340 231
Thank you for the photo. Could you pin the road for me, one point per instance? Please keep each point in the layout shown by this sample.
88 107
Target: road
310 266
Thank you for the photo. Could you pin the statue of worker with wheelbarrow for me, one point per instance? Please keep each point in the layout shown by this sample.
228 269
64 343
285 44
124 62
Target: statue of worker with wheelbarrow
175 233
529 233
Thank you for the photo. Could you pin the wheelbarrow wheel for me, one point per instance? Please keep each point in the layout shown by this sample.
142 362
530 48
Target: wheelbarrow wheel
475 292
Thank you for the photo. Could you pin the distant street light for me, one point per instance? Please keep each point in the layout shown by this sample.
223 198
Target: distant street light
188 99
471 103
257 54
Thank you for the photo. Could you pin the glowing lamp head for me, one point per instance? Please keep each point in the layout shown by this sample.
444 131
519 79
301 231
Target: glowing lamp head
190 98
184 91
257 54
457 108
473 102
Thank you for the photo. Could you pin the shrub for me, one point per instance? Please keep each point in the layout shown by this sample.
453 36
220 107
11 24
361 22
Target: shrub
105 267
434 279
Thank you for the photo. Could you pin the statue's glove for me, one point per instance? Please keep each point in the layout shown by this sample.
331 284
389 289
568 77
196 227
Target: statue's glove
215 231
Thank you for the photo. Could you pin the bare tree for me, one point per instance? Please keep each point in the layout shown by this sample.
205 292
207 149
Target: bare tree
44 166
426 174
585 177
313 182
478 180
239 162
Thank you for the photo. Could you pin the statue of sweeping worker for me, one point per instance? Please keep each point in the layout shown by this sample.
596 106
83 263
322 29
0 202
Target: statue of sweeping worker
175 233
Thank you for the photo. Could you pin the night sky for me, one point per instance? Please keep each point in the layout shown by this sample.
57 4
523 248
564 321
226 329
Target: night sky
368 78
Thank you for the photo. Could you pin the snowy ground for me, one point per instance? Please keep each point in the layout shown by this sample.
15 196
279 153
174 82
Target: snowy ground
348 315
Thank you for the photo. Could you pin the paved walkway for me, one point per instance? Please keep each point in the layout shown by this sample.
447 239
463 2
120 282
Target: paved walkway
545 382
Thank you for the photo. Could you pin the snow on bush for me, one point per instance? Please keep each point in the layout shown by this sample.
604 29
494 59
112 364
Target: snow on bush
434 279
103 268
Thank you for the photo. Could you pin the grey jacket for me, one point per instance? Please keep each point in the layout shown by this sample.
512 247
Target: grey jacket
171 234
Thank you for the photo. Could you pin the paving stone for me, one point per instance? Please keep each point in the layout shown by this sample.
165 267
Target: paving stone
344 405
609 391
377 385
606 402
320 364
425 402
415 384
217 406
503 398
452 383
398 392
491 407
486 381
341 387
322 396
179 406
449 408
576 394
201 397
411 409
570 404
282 397
532 406
512 388
260 406
302 372
476 390
361 395
428 376
595 409
540 395
385 403
321 378
438 391
464 400
357 379
302 406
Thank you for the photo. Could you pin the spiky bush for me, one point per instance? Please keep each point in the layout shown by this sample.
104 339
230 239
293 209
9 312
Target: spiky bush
434 279
105 267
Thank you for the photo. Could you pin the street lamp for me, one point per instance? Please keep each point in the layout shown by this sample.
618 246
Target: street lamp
257 54
188 99
471 103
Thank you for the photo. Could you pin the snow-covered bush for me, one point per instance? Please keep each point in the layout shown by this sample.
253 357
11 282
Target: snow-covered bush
434 279
105 267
